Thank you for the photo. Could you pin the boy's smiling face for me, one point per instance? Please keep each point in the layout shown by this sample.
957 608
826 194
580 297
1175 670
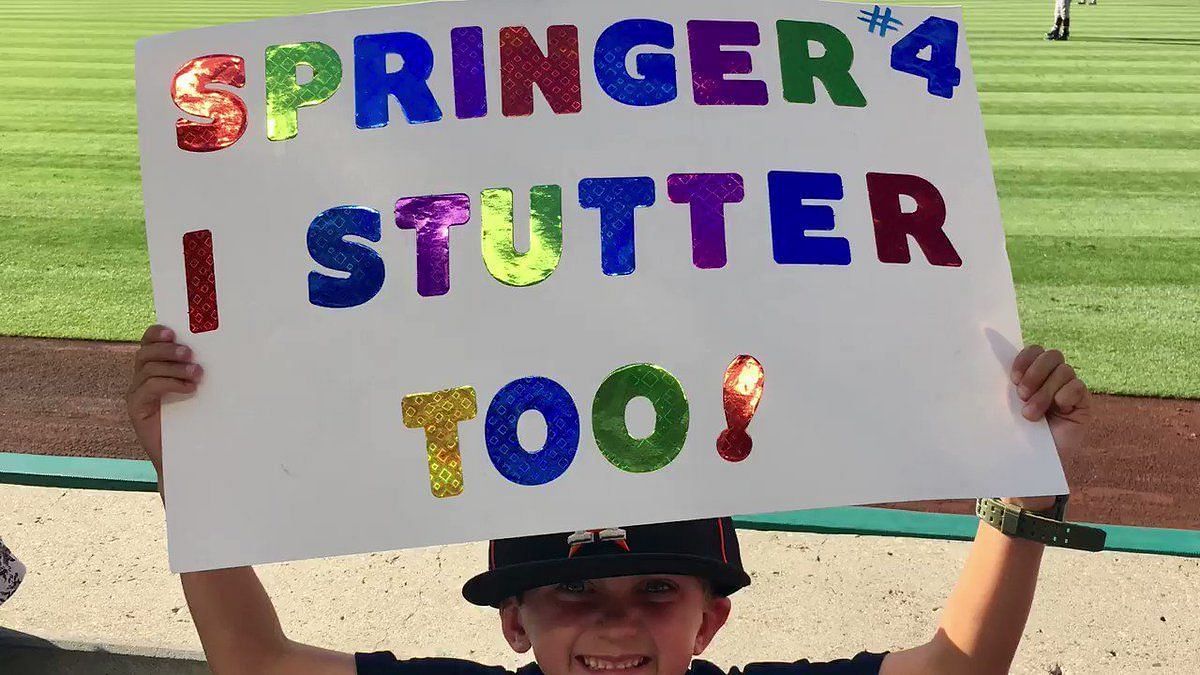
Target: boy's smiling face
636 625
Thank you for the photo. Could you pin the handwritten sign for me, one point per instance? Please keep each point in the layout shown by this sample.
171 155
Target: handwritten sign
468 270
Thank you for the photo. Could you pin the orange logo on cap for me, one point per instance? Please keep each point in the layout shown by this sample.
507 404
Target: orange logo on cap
584 537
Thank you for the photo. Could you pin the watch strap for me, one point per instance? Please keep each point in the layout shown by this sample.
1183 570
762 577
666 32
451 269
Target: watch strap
1017 522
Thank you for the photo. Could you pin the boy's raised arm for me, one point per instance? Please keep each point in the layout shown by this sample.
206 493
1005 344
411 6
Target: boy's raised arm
233 614
985 617
240 631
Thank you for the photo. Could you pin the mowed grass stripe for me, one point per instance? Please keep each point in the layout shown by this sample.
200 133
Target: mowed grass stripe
99 294
1083 137
86 85
1089 83
1039 67
1130 123
12 68
72 146
10 54
1132 260
68 229
1078 184
1143 57
1126 338
1155 159
1098 215
20 162
1135 104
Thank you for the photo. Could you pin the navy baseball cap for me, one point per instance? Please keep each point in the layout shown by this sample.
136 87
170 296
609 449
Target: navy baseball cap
705 548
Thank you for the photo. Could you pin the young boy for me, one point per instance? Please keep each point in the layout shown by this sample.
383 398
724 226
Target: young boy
625 601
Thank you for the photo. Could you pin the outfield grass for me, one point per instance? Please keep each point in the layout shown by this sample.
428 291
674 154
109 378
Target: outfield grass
1096 146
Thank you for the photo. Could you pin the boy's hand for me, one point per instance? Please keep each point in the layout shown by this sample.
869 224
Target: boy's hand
984 619
161 366
1050 389
234 616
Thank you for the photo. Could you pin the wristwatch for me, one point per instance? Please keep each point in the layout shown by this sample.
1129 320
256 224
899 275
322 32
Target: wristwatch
1045 527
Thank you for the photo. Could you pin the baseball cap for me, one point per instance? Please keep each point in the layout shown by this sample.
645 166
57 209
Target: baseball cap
706 548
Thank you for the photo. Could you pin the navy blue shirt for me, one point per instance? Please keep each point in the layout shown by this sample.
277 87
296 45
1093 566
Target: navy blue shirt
385 663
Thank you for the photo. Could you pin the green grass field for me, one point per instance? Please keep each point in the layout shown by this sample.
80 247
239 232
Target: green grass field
1095 142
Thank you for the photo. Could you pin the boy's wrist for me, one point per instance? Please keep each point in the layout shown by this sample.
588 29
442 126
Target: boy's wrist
1046 528
1040 505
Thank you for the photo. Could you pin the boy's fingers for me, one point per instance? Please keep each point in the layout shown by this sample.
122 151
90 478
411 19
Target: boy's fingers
155 387
180 371
1073 396
157 333
162 351
1040 402
1037 372
1024 360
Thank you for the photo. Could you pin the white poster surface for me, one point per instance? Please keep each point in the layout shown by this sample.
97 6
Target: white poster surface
476 269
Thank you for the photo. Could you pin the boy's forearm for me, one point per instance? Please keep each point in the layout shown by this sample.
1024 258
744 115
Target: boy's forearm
235 619
985 616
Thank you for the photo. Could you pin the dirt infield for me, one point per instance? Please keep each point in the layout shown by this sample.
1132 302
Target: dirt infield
1142 466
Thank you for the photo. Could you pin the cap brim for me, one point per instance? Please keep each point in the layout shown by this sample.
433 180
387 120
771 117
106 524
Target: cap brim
494 587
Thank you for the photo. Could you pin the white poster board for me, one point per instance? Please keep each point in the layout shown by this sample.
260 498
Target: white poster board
884 380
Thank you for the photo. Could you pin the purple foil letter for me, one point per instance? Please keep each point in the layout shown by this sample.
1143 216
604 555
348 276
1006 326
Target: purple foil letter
708 193
710 63
432 217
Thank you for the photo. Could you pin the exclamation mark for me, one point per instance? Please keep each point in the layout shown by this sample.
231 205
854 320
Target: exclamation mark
201 280
743 390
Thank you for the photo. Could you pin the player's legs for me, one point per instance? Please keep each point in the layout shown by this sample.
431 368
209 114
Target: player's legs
1062 20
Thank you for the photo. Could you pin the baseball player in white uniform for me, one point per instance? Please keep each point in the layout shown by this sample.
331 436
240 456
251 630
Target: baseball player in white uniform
1062 19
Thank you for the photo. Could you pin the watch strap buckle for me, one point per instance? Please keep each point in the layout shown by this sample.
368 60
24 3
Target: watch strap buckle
1010 521
1014 521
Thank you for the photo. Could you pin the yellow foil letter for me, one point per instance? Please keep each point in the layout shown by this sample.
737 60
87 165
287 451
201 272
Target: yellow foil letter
439 413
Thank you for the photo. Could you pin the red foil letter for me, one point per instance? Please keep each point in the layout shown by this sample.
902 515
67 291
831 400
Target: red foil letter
893 226
522 65
191 94
201 281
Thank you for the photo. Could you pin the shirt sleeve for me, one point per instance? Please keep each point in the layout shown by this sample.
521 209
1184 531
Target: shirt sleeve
866 663
11 573
386 663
